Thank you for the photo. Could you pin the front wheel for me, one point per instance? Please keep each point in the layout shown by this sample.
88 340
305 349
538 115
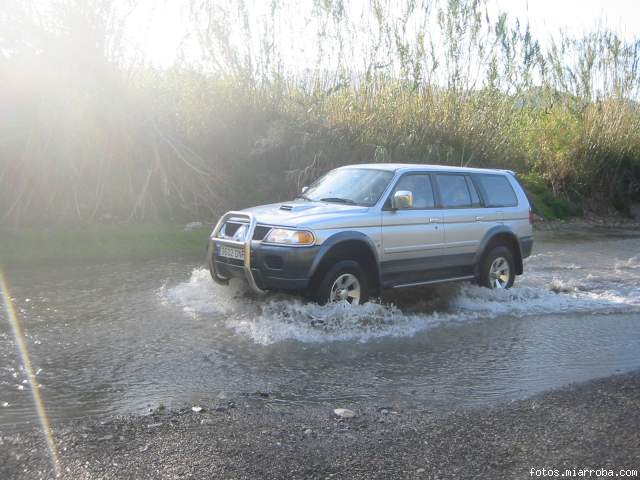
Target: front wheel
498 269
345 281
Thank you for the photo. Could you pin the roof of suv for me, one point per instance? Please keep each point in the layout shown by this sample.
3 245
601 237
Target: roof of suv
393 167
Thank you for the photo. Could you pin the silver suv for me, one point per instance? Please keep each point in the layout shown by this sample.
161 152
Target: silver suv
364 228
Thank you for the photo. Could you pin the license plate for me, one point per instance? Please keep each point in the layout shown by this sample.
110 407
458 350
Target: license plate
231 252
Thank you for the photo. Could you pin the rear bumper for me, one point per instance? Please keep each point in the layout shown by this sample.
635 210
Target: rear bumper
265 267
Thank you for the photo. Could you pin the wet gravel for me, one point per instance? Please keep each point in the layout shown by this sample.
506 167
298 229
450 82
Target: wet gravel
590 425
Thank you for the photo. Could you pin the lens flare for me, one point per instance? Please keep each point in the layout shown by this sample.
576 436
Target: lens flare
21 343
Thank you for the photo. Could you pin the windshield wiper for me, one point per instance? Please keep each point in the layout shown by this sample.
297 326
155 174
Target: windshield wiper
338 200
304 197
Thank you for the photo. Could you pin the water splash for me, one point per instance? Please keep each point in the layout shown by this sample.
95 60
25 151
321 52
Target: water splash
281 320
278 318
200 294
631 263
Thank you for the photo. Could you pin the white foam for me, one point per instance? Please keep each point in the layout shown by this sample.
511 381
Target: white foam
631 263
294 320
571 266
559 297
200 294
277 318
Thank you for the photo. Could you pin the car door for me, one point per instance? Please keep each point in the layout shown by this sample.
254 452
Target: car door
412 237
465 220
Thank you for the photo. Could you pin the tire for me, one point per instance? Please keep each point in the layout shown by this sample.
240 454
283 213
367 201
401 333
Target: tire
342 274
491 265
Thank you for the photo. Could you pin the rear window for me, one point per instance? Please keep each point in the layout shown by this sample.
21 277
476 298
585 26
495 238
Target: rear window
497 191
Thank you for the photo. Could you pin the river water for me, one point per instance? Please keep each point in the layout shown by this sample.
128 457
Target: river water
122 337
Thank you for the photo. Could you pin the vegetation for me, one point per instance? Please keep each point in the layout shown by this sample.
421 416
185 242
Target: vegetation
545 203
90 134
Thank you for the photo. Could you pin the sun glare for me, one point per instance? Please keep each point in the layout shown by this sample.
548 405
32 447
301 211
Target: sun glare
23 351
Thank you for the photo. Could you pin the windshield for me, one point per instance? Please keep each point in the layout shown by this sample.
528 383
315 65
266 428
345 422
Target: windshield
356 186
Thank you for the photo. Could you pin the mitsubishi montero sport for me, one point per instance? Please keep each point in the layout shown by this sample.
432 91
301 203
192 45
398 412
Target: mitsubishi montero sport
361 229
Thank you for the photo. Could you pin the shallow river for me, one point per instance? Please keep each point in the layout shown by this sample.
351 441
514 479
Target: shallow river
119 338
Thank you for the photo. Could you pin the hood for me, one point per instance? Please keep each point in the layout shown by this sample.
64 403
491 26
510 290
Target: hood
303 213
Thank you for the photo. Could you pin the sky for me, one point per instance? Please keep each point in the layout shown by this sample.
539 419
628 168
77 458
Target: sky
575 16
158 28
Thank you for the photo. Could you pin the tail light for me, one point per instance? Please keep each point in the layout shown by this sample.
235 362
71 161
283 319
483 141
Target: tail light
530 216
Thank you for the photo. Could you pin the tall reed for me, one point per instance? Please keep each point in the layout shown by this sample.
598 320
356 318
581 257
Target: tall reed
89 133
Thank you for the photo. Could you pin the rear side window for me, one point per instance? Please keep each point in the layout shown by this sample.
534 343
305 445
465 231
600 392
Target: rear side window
497 191
454 192
420 186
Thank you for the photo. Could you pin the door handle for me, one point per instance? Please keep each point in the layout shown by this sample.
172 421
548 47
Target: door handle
479 219
434 220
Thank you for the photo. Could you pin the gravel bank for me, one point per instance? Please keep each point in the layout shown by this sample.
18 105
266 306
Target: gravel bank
591 425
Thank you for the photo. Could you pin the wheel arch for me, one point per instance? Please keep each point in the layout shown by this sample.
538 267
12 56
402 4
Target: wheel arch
499 235
349 245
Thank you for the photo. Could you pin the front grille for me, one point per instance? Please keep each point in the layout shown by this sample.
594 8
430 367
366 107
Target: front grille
230 228
260 232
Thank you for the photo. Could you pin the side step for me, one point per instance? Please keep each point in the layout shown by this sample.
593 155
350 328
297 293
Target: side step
431 282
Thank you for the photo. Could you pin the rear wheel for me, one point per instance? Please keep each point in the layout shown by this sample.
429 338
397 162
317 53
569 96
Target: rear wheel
344 281
498 269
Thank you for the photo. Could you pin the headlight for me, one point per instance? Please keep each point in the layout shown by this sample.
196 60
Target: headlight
286 236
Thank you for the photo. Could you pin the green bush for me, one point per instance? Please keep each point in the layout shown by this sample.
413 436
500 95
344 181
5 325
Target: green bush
545 203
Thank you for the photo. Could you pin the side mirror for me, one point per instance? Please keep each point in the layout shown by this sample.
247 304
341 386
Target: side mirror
304 189
402 200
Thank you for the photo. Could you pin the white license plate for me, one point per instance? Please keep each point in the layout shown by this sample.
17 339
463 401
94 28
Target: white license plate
231 252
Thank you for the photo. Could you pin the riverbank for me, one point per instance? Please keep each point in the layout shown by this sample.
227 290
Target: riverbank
591 425
589 221
33 245
100 242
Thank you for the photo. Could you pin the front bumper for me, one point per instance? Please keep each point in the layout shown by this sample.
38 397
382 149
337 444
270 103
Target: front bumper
265 267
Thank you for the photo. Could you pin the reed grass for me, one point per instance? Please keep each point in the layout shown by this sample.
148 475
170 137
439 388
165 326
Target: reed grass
87 136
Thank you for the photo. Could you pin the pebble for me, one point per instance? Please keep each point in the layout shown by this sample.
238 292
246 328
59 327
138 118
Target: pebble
192 225
344 413
154 425
308 432
106 437
420 470
197 408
